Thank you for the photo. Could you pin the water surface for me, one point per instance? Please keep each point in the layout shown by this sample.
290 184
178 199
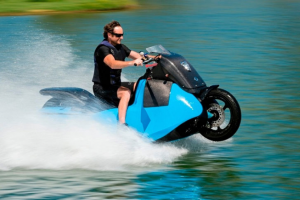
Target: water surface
249 48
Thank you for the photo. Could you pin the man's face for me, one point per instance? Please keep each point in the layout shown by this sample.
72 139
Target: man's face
117 36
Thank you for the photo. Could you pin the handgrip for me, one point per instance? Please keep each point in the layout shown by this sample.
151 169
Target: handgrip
146 60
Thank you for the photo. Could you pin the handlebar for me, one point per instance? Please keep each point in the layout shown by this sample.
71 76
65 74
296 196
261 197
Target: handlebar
146 61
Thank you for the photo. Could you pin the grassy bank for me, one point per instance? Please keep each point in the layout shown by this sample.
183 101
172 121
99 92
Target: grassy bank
24 7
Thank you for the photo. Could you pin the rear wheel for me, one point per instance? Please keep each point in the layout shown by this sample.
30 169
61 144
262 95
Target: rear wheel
226 115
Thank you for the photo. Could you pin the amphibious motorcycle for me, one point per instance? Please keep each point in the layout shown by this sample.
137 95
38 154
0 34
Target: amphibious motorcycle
171 102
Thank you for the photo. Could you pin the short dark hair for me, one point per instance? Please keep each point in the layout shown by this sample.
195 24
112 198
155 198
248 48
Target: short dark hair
109 28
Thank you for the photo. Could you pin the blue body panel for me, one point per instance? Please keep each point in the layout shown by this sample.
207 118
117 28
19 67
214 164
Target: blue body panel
156 122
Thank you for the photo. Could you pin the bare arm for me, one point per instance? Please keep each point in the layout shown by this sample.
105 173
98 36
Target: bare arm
134 55
110 61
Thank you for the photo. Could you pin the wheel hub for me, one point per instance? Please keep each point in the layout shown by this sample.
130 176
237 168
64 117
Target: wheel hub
219 115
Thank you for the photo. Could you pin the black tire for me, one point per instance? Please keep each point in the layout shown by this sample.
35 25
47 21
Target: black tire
220 101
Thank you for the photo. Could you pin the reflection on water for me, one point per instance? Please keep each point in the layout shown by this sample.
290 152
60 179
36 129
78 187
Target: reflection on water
177 184
250 48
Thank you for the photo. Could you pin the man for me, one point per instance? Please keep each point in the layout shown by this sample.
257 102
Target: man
109 58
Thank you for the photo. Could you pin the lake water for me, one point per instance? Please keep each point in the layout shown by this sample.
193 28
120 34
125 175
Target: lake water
249 48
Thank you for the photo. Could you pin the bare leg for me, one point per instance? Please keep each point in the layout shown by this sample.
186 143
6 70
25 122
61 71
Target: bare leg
134 86
123 94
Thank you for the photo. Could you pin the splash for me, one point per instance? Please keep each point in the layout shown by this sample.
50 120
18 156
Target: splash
31 140
44 142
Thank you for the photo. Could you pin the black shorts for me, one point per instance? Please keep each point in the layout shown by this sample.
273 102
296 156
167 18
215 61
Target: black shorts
109 94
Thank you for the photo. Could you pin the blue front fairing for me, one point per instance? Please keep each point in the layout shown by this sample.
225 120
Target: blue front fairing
157 122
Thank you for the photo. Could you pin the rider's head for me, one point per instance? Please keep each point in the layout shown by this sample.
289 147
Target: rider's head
113 32
110 29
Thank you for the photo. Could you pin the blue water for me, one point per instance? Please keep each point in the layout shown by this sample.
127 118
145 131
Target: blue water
249 48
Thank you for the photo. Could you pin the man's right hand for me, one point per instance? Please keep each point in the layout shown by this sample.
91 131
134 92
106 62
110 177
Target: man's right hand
138 62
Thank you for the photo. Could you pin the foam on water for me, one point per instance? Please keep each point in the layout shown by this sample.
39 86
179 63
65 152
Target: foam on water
46 143
31 140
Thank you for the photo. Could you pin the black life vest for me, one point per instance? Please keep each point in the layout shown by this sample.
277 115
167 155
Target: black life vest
103 74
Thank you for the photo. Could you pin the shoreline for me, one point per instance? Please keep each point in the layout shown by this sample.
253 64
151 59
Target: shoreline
54 12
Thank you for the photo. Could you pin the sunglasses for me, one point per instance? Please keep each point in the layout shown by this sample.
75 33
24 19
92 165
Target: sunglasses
118 35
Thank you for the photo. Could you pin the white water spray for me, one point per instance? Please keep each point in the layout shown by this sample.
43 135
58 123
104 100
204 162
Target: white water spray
31 140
